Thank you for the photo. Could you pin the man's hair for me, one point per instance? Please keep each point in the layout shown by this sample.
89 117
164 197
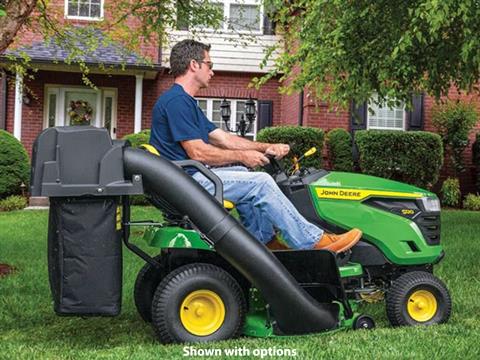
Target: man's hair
185 51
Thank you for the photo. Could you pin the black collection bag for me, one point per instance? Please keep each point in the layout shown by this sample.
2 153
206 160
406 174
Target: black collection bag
85 256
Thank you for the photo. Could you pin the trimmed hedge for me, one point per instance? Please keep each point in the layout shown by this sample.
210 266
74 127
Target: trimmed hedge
14 165
143 137
302 139
339 146
414 157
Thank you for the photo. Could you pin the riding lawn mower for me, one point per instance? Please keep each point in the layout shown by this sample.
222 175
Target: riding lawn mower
211 279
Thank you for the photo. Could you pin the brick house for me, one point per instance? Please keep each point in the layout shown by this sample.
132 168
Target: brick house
125 97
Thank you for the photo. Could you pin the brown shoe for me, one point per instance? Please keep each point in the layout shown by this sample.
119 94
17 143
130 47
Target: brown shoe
339 243
275 244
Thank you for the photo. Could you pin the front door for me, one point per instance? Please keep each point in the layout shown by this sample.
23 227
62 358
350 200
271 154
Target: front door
81 106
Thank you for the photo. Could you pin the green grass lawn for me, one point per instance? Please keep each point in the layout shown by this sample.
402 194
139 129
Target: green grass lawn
29 329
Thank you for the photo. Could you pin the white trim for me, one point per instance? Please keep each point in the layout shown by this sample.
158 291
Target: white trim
138 103
17 117
86 18
98 113
61 107
46 105
112 93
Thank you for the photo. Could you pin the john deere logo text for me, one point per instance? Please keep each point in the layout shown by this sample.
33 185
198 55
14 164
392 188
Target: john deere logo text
340 193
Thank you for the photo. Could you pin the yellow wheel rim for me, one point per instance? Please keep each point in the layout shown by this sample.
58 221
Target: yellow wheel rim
422 305
202 312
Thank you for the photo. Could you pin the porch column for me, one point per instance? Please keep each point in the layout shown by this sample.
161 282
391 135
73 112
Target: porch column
138 103
17 117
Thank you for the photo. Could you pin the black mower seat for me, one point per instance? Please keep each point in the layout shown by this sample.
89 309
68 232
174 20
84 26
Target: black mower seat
227 204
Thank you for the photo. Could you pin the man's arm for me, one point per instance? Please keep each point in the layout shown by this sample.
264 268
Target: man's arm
212 155
225 140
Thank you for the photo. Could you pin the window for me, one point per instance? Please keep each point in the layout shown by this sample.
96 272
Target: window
84 9
239 15
211 109
386 118
244 17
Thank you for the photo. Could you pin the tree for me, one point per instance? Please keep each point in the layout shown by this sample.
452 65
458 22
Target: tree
126 22
350 50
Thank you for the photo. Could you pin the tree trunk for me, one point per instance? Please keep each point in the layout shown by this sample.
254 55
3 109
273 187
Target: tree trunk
18 12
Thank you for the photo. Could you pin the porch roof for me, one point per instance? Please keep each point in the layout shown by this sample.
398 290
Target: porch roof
111 55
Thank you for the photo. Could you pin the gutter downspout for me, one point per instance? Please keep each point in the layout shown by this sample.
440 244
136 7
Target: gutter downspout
300 110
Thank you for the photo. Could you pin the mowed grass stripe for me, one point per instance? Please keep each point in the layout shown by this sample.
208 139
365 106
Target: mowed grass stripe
30 329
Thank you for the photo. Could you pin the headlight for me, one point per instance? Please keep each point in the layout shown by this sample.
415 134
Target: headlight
431 203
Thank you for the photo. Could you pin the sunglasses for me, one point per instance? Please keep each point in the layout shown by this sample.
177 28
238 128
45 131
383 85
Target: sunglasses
208 63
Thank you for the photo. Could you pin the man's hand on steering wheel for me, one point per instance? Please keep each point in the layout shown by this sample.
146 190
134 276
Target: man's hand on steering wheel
253 158
278 150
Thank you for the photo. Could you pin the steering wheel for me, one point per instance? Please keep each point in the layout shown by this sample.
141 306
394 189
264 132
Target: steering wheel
274 167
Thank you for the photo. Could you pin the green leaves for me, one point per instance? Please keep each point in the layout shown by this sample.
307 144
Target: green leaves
350 50
454 121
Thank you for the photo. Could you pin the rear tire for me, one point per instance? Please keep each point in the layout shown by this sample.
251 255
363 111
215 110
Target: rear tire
196 303
146 283
418 298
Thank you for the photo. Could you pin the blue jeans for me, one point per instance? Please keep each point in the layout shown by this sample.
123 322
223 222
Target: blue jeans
263 207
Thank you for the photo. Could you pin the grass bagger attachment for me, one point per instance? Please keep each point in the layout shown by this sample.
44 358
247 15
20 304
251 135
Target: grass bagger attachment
212 279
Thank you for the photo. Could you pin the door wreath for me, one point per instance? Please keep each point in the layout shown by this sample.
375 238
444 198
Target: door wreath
80 112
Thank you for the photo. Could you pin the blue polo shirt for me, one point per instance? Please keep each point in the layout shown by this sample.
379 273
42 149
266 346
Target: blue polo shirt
177 117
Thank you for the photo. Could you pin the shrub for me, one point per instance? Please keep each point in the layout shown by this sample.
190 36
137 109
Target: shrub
451 192
143 137
302 139
472 202
14 202
454 121
339 145
476 160
14 165
414 157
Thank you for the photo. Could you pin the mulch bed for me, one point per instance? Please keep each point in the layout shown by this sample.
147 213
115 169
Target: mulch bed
6 269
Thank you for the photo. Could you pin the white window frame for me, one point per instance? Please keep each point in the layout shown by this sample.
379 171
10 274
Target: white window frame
60 113
110 92
233 114
88 18
369 127
226 16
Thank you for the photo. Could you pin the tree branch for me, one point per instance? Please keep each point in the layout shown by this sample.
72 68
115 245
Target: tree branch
17 15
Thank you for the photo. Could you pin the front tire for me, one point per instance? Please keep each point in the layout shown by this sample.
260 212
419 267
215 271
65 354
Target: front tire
198 302
418 298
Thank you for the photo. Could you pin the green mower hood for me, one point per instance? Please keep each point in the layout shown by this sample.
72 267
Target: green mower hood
397 218
366 186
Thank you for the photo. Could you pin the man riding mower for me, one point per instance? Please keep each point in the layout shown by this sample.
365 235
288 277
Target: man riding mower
211 279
